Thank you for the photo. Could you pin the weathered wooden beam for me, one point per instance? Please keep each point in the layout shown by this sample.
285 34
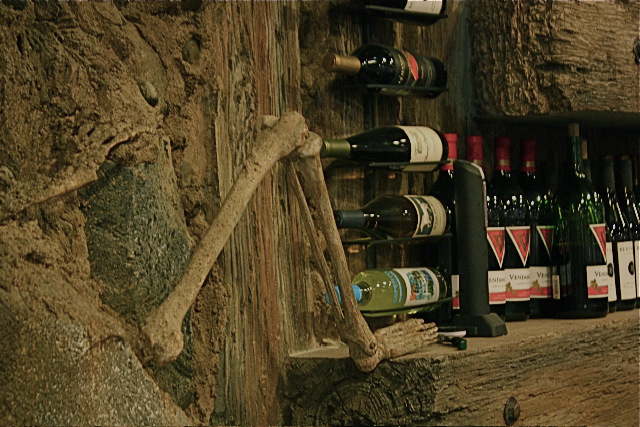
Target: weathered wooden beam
546 57
561 372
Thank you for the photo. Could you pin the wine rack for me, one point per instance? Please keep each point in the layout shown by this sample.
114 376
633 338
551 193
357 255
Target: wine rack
428 251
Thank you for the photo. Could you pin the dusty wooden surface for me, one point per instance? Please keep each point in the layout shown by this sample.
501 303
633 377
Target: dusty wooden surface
561 372
542 57
265 273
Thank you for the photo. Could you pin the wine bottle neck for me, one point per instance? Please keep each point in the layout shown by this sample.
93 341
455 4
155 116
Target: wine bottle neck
575 155
362 293
528 166
608 173
626 175
338 148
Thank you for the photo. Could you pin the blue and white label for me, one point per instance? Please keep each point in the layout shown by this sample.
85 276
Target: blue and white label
421 286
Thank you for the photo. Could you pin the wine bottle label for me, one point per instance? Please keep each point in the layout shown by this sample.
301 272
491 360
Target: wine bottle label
455 291
636 253
518 286
497 287
411 71
496 238
426 146
432 216
546 236
611 282
597 281
626 270
520 238
421 286
541 282
600 233
424 6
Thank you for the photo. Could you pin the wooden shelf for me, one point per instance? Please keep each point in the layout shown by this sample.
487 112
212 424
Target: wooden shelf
561 372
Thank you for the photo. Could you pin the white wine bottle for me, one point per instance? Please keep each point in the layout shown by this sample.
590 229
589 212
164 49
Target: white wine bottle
385 292
406 148
395 216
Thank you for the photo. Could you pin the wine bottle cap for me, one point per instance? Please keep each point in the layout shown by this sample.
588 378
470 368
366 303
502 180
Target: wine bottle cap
502 141
502 153
335 63
357 292
608 175
349 219
528 155
452 141
474 150
474 139
339 148
585 150
626 175
574 130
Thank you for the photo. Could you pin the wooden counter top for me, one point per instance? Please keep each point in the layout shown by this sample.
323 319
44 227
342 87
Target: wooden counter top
561 372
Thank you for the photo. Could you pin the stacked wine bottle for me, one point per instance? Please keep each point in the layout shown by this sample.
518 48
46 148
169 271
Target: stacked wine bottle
567 251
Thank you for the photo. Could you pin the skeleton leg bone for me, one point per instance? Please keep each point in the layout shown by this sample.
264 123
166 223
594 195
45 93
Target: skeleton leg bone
160 337
366 349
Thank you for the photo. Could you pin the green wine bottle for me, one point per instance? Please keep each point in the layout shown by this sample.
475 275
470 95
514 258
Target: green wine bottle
582 241
385 292
395 216
496 234
406 148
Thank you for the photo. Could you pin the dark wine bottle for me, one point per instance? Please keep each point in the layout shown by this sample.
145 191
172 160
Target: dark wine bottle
581 239
516 215
624 291
636 177
443 190
627 200
386 292
384 65
636 192
496 234
395 216
542 225
421 12
586 163
405 148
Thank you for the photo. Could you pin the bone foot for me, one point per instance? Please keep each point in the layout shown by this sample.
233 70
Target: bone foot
396 340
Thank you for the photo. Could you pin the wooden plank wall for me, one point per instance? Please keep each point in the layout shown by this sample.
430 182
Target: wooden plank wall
264 272
327 27
270 62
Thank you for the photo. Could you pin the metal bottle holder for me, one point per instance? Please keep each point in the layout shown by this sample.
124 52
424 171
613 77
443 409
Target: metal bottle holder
471 225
